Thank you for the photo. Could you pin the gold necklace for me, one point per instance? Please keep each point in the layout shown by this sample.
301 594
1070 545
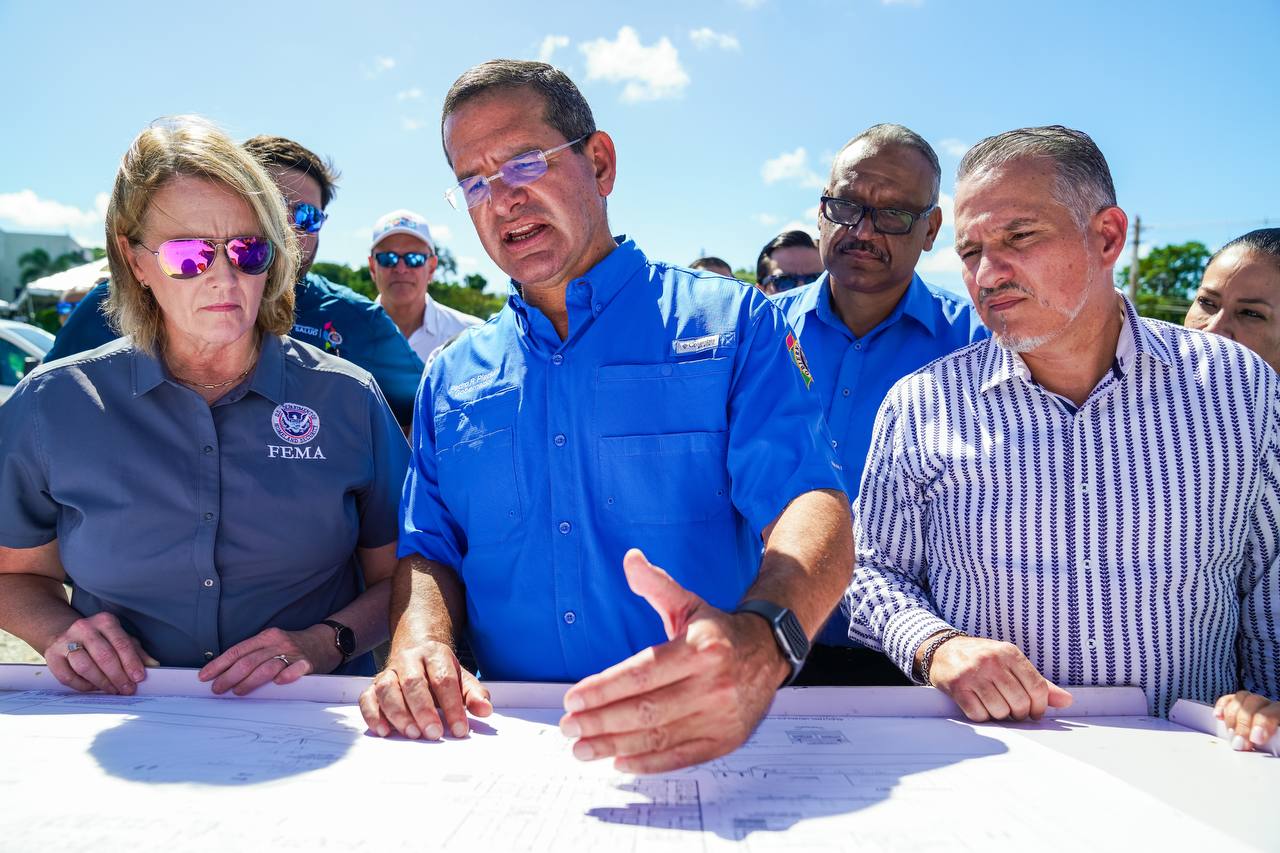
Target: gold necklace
253 359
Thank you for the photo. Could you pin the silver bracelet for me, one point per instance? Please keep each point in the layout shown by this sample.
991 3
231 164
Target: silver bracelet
927 662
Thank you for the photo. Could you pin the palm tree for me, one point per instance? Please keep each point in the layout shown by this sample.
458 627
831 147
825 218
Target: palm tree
37 264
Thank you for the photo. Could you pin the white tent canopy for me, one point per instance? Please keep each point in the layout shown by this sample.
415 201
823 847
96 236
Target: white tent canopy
84 276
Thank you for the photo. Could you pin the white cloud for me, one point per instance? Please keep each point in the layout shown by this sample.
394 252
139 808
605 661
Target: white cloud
381 64
414 94
705 37
943 259
442 233
948 205
550 45
467 262
810 227
412 124
649 72
953 147
25 209
766 219
791 166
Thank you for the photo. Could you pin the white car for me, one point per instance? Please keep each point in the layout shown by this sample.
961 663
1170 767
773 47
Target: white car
22 348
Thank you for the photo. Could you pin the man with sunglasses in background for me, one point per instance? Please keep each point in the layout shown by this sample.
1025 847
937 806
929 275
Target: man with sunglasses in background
870 321
402 261
326 315
788 261
614 404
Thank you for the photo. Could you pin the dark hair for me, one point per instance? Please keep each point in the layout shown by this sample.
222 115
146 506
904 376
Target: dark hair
896 134
565 108
785 240
1083 184
712 264
276 152
1264 241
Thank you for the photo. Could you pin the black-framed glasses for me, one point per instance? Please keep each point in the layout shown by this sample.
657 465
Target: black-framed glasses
412 260
306 218
783 281
886 220
519 171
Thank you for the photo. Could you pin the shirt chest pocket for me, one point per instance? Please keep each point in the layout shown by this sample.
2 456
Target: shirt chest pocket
663 446
476 465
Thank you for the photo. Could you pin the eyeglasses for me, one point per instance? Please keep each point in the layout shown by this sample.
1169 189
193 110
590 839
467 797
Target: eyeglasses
190 257
781 281
412 260
306 218
517 172
67 307
886 220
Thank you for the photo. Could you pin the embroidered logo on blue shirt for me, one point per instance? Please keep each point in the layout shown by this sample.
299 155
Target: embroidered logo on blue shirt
295 423
690 346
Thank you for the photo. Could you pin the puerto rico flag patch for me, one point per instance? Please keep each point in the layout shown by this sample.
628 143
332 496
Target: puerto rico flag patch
797 355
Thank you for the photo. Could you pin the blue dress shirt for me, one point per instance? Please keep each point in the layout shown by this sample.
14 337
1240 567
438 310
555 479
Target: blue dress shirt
675 417
852 375
329 316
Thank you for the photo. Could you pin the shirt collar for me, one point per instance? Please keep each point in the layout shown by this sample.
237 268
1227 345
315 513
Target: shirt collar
430 315
602 282
1135 341
916 303
268 377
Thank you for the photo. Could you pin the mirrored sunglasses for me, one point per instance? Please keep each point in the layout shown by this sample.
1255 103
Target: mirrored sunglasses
517 172
412 260
306 218
789 281
190 257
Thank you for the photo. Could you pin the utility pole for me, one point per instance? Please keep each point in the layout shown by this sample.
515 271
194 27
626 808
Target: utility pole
1133 265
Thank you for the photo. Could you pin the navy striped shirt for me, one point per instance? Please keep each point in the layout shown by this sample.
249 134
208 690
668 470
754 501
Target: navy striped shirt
1133 540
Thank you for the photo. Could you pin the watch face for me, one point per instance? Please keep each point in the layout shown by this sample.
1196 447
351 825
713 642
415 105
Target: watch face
795 636
344 637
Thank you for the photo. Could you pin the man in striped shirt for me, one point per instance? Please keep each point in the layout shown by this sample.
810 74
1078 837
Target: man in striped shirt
1088 498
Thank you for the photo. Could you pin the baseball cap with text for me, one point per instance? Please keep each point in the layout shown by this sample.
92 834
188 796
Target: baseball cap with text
402 222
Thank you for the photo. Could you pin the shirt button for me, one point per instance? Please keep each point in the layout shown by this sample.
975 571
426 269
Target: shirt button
1093 644
835 443
557 359
208 655
559 440
570 617
1084 488
208 516
858 345
208 582
565 527
208 448
597 308
845 392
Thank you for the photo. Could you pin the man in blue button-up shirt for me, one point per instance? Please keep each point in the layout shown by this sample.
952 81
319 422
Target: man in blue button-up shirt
615 403
870 321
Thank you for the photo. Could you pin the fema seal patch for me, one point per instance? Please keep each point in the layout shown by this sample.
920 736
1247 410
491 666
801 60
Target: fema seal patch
295 424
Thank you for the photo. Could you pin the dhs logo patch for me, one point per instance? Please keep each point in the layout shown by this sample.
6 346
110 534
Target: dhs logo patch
294 423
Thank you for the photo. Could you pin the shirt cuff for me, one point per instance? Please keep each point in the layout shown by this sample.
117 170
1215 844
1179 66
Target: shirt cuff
906 632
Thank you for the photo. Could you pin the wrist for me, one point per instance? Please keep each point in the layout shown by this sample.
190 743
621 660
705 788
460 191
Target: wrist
927 653
327 656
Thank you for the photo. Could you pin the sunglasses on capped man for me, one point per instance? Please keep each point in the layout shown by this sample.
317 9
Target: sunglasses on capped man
412 260
519 171
191 256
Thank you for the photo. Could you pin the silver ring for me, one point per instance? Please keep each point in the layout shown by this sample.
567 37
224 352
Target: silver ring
281 658
74 647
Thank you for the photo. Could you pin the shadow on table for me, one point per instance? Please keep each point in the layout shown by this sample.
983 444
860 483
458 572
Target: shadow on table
814 772
185 745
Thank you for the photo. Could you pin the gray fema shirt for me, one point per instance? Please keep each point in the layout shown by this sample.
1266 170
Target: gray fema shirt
199 526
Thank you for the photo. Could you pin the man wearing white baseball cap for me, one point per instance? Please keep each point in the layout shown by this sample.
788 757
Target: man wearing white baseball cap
402 260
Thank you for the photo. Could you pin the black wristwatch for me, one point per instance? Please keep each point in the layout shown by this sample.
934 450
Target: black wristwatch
343 638
790 637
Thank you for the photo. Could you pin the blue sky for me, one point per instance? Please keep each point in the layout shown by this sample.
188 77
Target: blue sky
726 113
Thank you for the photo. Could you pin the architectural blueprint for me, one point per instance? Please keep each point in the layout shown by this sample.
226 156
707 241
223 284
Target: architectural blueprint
160 772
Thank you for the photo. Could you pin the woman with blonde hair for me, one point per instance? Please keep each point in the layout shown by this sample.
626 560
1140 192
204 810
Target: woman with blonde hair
218 495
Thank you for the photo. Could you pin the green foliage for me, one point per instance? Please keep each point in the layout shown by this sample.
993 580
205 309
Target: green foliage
746 275
1170 272
1166 279
98 253
47 319
37 264
467 296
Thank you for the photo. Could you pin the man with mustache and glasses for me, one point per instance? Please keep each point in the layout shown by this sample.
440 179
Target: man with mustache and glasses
326 315
615 404
870 321
1089 498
